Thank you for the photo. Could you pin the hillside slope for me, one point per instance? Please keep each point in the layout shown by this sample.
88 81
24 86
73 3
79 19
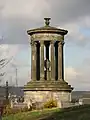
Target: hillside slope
76 113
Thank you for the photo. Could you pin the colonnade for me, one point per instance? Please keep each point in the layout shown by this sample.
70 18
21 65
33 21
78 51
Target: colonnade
50 67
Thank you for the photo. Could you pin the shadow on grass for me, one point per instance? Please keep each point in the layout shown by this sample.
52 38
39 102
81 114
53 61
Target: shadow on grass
82 113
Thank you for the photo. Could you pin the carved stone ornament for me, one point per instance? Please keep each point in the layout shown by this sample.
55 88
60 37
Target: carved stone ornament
33 43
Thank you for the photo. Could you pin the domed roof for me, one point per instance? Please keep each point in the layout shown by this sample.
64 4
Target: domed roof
47 29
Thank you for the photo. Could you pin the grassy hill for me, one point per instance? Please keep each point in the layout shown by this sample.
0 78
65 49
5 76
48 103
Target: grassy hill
75 113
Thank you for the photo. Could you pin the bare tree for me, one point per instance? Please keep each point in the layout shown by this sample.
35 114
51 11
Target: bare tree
4 63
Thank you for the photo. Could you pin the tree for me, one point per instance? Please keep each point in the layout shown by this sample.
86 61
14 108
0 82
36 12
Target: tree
3 63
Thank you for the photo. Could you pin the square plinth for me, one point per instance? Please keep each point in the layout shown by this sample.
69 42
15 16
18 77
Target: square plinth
44 96
41 91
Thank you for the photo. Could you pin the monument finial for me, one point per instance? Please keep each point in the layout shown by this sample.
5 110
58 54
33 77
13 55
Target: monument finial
47 22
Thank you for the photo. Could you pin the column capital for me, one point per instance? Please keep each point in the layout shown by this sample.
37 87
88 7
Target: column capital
41 41
52 42
61 43
33 43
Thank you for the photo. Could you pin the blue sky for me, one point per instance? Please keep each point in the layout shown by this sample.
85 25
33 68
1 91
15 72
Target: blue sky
75 55
16 17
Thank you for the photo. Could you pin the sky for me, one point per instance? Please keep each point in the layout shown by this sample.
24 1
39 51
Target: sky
17 16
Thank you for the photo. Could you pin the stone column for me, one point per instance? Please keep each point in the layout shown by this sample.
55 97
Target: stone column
52 61
60 61
33 60
42 60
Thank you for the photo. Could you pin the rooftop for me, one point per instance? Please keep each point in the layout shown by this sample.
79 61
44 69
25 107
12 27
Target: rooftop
47 29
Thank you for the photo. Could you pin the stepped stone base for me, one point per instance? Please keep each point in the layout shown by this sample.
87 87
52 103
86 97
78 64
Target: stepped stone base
43 91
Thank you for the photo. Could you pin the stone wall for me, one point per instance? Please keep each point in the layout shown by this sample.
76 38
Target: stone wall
43 96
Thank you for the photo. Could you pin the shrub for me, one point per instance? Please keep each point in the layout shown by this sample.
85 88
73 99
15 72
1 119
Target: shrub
7 110
50 103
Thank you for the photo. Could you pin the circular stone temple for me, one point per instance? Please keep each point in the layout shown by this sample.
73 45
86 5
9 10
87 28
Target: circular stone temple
47 66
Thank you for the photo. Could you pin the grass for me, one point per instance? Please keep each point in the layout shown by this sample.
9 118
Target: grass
30 115
77 113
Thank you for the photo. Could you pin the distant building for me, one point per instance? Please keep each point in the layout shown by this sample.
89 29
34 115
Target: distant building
85 99
13 91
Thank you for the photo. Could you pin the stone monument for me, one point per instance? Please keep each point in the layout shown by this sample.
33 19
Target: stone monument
47 66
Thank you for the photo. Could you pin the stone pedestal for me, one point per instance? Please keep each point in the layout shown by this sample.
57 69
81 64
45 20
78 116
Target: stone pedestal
44 96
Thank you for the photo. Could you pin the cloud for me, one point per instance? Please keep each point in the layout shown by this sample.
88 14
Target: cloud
60 10
70 73
7 51
78 32
79 76
68 11
32 9
18 17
